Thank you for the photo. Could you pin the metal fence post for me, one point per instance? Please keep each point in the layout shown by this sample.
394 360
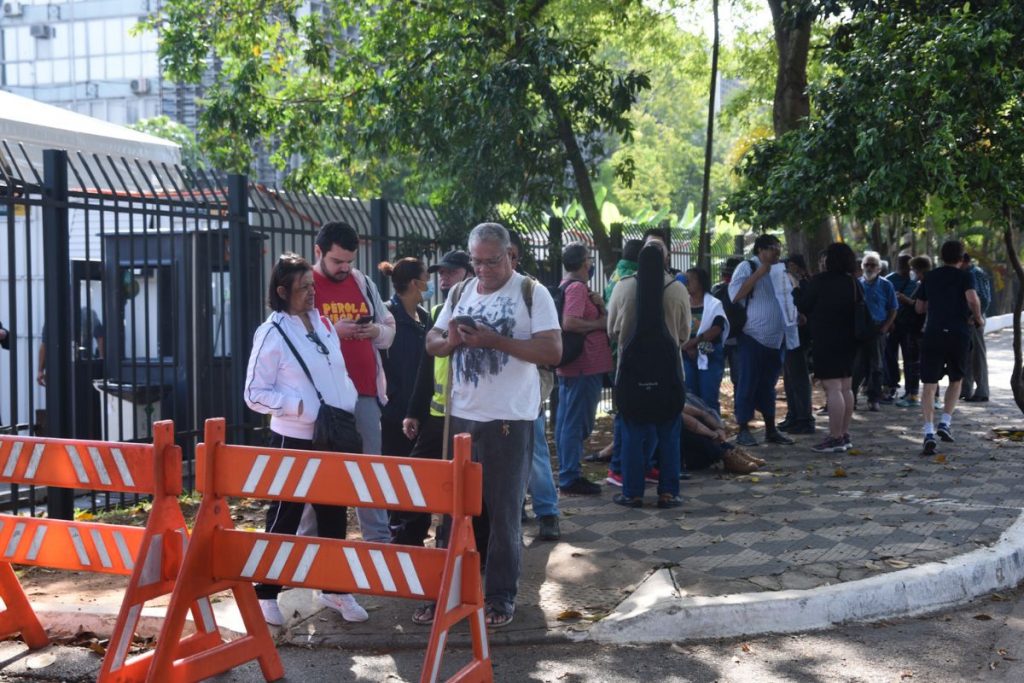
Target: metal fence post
379 228
244 297
737 245
60 503
555 226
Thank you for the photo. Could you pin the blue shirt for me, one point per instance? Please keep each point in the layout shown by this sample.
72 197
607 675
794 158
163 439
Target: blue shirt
880 297
983 286
903 284
765 323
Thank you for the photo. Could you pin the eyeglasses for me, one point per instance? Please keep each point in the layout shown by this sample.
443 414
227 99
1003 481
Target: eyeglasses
320 346
487 263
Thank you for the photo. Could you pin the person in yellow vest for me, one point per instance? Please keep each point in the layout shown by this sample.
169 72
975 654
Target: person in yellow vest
424 420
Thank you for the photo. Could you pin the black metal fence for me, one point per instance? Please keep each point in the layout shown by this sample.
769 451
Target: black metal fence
133 290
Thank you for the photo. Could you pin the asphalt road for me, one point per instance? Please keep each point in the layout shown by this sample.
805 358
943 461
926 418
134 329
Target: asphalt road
983 641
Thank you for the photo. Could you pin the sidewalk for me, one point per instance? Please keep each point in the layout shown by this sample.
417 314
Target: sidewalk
746 554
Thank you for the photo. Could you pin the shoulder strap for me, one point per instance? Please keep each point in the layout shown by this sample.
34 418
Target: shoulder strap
527 288
298 357
456 292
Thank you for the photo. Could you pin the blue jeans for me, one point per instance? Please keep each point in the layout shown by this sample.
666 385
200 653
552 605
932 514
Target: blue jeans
577 406
706 384
759 368
636 441
542 482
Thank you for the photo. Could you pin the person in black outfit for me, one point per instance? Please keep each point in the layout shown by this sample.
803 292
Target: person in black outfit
828 303
402 359
949 298
796 373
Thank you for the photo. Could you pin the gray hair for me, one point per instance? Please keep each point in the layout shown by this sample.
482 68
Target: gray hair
574 255
490 232
873 255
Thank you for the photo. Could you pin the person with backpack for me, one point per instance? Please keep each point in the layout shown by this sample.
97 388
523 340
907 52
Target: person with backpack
649 314
581 313
763 288
496 343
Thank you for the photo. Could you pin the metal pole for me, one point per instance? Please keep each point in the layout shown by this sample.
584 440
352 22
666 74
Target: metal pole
245 298
60 503
379 228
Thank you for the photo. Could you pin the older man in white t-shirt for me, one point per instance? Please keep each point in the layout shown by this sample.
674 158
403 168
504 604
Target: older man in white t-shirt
495 393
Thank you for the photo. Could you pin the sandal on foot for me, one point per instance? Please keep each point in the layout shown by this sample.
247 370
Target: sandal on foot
495 618
424 615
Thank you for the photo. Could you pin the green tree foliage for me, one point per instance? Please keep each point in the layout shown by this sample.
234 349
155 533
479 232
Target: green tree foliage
924 101
476 101
164 127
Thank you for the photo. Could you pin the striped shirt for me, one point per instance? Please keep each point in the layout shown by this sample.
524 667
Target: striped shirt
765 323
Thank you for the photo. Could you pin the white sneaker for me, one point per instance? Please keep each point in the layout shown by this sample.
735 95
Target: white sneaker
345 605
271 612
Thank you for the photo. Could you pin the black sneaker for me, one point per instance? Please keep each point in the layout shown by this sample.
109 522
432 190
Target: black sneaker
799 429
945 432
548 528
784 425
930 444
581 487
745 439
778 437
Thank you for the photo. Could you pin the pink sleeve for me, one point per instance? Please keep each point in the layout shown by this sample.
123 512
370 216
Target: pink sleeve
576 297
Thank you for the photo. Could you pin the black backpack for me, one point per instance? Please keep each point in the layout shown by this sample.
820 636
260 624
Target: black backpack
572 342
649 385
735 313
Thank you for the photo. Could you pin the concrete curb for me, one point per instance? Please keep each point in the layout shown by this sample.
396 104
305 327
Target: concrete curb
998 322
61 620
657 612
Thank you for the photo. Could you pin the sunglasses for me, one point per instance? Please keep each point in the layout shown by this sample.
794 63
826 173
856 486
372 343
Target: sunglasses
320 346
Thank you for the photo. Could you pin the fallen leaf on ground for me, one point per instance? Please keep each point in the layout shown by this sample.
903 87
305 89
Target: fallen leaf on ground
745 647
675 647
840 472
998 597
854 451
906 674
940 459
569 615
983 617
898 564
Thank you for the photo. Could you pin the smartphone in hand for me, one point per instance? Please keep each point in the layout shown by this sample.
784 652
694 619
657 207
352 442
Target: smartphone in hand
365 320
466 320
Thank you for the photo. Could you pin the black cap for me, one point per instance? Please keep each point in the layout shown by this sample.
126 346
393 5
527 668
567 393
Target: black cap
453 259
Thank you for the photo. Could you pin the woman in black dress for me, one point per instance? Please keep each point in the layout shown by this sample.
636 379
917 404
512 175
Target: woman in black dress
828 303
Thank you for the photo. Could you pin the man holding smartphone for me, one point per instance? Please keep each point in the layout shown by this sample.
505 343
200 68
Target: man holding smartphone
350 300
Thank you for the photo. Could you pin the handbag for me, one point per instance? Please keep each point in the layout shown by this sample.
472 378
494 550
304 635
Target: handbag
864 328
334 429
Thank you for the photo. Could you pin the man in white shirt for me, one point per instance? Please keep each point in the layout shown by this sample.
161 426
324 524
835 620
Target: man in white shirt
495 393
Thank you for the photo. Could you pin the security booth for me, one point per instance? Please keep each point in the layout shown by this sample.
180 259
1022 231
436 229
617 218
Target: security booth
168 308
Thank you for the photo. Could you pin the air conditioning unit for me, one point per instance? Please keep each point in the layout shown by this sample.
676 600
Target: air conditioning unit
13 9
41 31
141 86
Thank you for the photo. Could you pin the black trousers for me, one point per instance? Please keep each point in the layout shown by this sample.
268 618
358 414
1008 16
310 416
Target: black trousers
283 516
412 528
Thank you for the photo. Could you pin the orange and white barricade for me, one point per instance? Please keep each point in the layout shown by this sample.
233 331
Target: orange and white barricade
220 557
150 555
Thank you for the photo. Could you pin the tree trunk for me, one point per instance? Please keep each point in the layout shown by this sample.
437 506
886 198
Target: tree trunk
580 173
1016 385
791 109
704 244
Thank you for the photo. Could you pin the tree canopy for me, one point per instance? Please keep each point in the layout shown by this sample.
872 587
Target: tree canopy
476 101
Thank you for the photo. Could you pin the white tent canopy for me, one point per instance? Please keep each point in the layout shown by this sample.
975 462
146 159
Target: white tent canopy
37 126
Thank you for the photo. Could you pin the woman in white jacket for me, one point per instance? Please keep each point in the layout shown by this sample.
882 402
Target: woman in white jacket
704 352
277 385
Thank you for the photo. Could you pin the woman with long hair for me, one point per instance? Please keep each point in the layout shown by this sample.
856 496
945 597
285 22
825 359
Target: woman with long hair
704 352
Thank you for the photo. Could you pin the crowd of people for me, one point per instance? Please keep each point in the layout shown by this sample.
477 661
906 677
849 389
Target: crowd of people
485 361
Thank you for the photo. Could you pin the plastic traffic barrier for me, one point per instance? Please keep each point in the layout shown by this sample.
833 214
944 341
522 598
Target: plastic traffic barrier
151 556
220 557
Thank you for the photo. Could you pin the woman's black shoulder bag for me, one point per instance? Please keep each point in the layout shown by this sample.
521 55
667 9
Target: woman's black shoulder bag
334 428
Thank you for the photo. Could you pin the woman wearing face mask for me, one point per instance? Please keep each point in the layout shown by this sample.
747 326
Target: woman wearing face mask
412 287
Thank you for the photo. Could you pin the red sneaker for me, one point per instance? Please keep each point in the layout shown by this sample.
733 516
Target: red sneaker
614 478
652 476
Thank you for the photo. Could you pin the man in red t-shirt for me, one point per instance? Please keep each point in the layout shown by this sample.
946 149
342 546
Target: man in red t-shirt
580 381
351 302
